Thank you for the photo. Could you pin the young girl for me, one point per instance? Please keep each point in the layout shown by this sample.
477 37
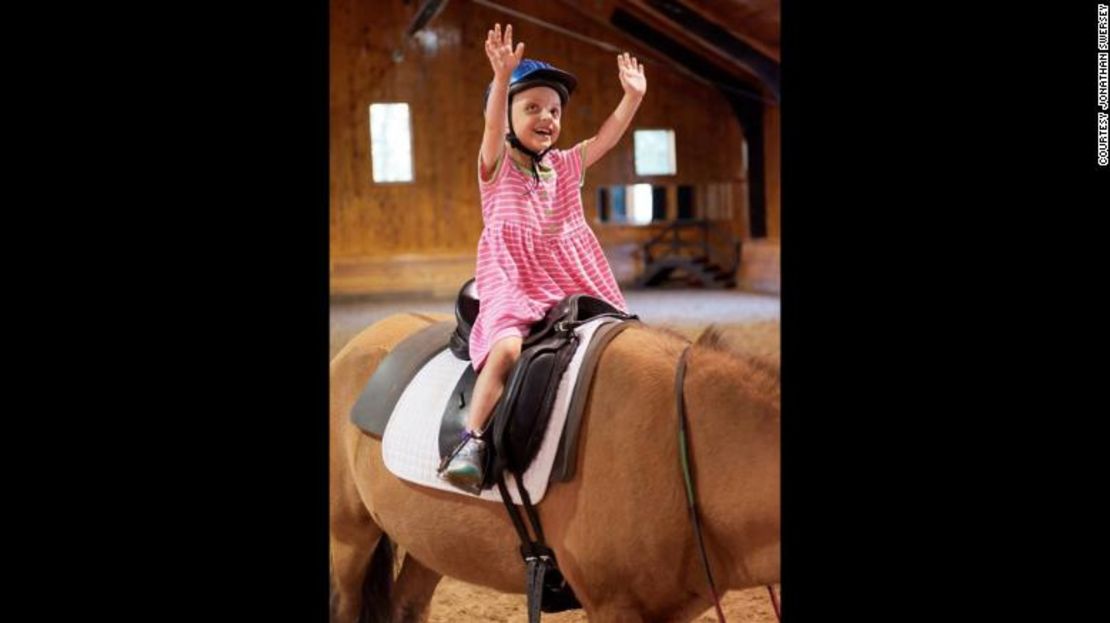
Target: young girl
536 247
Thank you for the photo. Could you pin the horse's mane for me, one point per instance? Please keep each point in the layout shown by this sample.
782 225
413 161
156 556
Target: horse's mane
759 369
757 366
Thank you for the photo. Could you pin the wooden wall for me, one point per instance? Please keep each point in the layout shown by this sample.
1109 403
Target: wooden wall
759 261
421 236
771 167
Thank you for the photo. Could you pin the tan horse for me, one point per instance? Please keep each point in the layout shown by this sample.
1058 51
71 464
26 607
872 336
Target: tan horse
620 530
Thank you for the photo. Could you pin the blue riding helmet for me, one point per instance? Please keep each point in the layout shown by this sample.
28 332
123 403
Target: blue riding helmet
532 73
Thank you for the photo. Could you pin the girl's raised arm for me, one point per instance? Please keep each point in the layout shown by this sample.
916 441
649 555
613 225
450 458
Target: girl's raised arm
503 59
631 75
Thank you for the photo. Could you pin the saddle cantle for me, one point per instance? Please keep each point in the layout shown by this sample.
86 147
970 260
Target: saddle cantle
466 311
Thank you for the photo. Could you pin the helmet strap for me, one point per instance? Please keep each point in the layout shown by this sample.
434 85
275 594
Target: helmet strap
511 137
535 157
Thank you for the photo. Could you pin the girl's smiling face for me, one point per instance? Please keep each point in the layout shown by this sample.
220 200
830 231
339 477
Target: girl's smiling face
536 117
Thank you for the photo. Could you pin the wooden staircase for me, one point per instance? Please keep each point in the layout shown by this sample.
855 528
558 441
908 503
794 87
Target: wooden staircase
694 254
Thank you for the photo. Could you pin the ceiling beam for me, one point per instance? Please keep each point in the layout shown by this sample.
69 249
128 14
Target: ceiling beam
601 12
755 22
712 38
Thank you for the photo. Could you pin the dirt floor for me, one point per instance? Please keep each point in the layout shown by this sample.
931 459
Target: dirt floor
458 602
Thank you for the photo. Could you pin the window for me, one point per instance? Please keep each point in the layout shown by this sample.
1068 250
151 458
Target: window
603 204
391 142
658 203
654 152
633 204
685 202
620 207
641 203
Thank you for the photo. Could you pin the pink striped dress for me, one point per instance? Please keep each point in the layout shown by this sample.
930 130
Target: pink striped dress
536 248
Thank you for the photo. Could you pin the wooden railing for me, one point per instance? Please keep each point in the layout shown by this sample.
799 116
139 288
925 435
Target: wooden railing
714 245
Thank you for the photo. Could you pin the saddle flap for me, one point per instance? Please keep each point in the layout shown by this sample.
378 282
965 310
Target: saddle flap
567 455
521 419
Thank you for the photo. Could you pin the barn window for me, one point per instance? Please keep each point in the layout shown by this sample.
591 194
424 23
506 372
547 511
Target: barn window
654 152
633 204
391 142
642 202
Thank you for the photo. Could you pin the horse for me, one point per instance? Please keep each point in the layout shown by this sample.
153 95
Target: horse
620 530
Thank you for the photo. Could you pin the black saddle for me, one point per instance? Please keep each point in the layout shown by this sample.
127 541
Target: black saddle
521 416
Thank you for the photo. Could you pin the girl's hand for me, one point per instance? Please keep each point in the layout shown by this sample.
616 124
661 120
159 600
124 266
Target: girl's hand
631 75
500 51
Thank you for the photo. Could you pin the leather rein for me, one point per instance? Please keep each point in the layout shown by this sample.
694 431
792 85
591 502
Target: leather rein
691 494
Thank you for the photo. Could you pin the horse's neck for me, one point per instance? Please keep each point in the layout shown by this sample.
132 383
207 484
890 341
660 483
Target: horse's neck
734 443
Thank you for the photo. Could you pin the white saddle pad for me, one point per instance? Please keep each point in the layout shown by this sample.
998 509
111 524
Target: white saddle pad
410 445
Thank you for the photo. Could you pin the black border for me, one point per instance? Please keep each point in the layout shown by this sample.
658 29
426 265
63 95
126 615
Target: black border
938 191
225 311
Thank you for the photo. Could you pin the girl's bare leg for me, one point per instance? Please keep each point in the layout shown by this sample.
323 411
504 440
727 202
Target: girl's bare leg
466 469
491 381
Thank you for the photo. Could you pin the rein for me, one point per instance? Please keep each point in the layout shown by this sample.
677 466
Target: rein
691 495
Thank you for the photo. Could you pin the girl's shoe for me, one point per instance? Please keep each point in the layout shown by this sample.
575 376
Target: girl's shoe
465 469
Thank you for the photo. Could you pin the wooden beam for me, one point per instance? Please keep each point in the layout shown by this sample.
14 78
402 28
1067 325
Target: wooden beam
599 12
755 22
424 15
714 54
